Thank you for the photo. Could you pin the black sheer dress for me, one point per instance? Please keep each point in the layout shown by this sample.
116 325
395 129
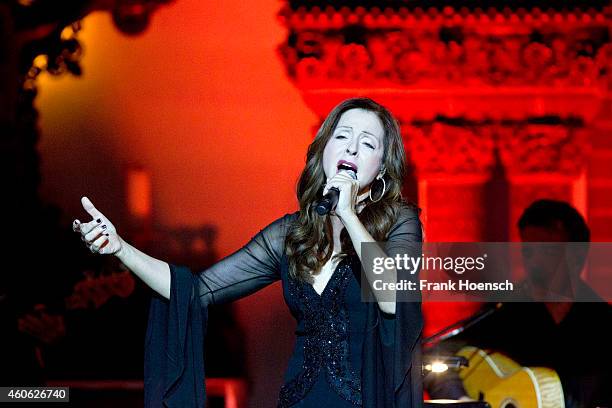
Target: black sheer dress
347 352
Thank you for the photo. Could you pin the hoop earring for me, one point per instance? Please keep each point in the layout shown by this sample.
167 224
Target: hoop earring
383 192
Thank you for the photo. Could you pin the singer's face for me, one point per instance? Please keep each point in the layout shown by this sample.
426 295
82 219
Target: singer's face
358 139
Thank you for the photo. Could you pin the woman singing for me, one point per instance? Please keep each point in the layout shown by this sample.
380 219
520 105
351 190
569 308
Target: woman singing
348 352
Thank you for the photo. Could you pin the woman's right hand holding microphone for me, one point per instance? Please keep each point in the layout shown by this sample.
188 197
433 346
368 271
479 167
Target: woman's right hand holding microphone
99 234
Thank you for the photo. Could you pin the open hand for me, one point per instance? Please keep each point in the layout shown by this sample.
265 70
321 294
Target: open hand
100 234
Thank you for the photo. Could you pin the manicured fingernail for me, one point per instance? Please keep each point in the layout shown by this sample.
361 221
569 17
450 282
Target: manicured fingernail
98 220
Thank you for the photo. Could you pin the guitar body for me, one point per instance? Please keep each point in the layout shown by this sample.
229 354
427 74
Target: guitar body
505 384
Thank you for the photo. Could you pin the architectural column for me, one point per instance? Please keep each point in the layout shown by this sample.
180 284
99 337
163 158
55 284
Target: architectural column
599 169
453 163
543 161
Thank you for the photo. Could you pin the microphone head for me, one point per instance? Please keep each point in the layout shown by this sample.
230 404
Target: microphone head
349 167
350 172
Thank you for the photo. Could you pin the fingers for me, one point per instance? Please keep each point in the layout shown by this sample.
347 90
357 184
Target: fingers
88 227
340 180
89 207
328 187
96 231
85 228
100 242
348 187
342 176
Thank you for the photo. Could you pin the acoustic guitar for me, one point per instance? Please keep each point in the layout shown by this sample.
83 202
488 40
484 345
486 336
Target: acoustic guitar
497 379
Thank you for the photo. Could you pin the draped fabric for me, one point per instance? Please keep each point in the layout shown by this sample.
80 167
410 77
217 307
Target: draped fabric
174 363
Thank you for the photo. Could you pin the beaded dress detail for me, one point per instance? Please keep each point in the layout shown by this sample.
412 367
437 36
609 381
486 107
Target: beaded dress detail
326 340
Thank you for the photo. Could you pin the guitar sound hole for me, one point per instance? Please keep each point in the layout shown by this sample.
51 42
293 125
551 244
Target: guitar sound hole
509 403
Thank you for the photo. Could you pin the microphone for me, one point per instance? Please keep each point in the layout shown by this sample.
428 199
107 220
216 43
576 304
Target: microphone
330 200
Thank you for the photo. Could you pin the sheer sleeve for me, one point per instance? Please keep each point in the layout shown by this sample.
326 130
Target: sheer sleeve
252 267
406 236
392 353
174 360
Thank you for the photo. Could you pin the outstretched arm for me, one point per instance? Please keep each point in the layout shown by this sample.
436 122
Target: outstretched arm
252 267
255 265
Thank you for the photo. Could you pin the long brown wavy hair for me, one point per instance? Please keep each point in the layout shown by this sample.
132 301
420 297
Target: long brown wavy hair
309 241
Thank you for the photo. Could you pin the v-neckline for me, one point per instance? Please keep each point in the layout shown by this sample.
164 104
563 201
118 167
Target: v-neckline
329 281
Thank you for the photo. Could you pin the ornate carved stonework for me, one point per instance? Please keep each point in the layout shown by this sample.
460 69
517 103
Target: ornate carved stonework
414 47
439 149
535 149
545 62
510 88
